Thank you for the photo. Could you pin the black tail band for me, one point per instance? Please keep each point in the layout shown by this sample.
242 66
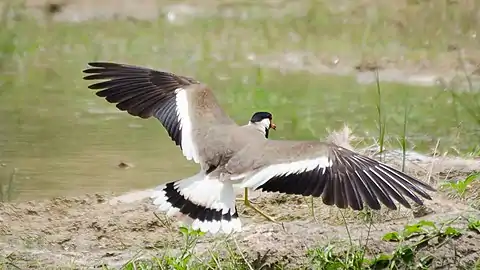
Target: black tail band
192 210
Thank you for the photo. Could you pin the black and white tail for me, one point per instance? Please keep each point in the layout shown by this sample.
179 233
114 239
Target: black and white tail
200 201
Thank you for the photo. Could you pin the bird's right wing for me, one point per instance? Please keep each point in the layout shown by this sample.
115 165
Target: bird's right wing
340 176
182 104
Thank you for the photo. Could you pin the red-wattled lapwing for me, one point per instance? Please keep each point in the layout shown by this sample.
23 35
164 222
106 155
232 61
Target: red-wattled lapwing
231 154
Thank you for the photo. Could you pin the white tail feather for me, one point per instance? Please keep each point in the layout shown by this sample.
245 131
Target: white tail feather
203 202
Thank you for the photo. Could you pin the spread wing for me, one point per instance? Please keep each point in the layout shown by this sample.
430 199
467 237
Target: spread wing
181 104
340 176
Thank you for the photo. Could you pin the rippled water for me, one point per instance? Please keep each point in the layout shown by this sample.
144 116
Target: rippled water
76 147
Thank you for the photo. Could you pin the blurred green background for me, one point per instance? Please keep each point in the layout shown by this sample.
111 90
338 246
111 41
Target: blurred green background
311 63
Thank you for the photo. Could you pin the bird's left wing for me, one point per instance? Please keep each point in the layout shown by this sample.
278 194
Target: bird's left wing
340 176
184 106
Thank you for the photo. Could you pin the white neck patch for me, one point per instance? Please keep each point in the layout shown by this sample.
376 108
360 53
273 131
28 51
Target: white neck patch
262 125
265 123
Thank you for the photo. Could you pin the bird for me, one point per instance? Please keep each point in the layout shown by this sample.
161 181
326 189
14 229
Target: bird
242 155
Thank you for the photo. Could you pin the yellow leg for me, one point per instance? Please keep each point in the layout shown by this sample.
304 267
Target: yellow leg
249 204
313 209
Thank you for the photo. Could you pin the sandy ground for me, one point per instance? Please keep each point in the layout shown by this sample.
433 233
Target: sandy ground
94 230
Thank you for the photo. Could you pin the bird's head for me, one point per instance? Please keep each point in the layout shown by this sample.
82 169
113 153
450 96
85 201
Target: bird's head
264 121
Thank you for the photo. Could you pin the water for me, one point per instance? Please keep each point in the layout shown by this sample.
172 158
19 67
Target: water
65 141
63 151
84 154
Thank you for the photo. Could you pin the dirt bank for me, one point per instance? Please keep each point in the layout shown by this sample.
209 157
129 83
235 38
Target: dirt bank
94 230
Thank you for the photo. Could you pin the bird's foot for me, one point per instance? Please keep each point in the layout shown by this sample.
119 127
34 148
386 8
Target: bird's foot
250 205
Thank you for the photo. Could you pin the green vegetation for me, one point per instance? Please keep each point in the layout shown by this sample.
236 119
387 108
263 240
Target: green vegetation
382 125
411 240
232 258
459 188
406 255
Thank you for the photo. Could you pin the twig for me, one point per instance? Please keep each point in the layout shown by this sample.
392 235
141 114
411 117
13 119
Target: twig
241 254
430 172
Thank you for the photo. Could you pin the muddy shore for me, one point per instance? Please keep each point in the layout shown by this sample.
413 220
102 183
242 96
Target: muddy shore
102 229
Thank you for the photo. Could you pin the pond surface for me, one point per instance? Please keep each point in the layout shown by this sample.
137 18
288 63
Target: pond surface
60 149
65 141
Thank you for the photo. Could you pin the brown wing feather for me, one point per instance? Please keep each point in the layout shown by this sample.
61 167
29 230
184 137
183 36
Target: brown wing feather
145 92
352 179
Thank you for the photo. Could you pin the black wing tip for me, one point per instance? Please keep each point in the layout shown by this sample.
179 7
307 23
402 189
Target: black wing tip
416 181
96 67
415 190
89 77
94 87
103 64
430 188
88 71
427 197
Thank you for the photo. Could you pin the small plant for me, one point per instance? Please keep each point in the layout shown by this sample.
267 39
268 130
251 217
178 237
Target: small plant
460 187
382 122
403 139
326 258
190 241
402 258
425 230
182 261
474 224
475 152
405 255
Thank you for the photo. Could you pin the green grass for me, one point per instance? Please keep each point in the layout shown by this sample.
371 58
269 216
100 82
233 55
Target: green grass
459 188
406 255
187 258
382 125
